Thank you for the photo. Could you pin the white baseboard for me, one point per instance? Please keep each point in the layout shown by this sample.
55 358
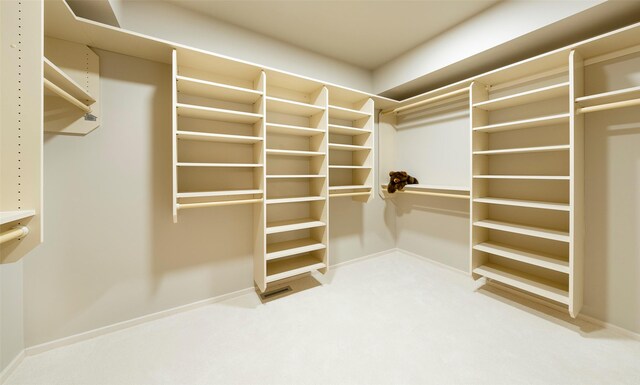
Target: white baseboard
11 367
161 314
132 322
439 264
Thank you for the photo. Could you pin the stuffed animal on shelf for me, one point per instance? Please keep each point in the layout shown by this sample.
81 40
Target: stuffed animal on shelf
399 179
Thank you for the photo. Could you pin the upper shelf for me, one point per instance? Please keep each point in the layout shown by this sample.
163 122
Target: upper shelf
346 130
13 216
199 112
58 77
526 123
609 97
343 113
526 97
291 107
213 90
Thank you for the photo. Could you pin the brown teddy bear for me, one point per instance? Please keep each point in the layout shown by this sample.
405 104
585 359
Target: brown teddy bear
399 179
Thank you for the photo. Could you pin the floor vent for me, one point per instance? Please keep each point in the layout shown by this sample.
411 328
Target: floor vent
273 293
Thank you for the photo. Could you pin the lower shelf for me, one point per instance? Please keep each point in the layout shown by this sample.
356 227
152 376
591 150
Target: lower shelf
546 261
289 248
290 267
524 281
292 225
531 231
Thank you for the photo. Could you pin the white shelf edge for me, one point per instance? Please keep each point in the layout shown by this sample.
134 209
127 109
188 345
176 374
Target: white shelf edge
15 215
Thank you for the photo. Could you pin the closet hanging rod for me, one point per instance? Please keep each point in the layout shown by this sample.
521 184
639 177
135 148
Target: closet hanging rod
459 196
427 101
14 233
354 194
220 203
609 106
66 96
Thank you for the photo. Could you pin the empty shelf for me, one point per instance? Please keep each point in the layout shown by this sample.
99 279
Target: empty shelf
294 176
290 267
351 187
524 203
528 177
347 147
272 201
287 129
524 281
526 123
343 166
523 150
346 130
433 187
547 261
58 77
236 165
609 97
531 231
208 137
210 113
342 113
221 193
291 107
293 152
289 248
213 90
292 225
16 215
521 98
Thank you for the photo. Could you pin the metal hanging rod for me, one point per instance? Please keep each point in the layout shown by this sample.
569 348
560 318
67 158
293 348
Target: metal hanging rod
608 106
14 233
427 101
220 203
66 96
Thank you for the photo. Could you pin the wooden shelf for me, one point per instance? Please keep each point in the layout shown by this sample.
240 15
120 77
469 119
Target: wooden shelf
609 97
235 165
273 201
223 138
293 152
524 203
58 77
294 176
526 97
342 113
433 187
346 130
531 231
524 281
218 114
294 247
527 177
526 123
290 267
16 215
337 166
350 187
287 129
347 147
291 107
222 193
275 227
524 150
535 258
213 90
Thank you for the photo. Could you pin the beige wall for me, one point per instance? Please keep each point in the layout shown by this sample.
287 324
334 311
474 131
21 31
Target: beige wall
11 315
173 23
112 252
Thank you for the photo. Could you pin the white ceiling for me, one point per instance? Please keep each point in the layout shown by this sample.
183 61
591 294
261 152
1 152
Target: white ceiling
364 33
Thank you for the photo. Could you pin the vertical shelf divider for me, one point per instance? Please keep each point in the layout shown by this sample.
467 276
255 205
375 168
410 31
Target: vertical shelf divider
174 133
479 166
260 210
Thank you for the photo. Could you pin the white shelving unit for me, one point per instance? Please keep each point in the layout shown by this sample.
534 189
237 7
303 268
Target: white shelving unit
526 147
351 139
